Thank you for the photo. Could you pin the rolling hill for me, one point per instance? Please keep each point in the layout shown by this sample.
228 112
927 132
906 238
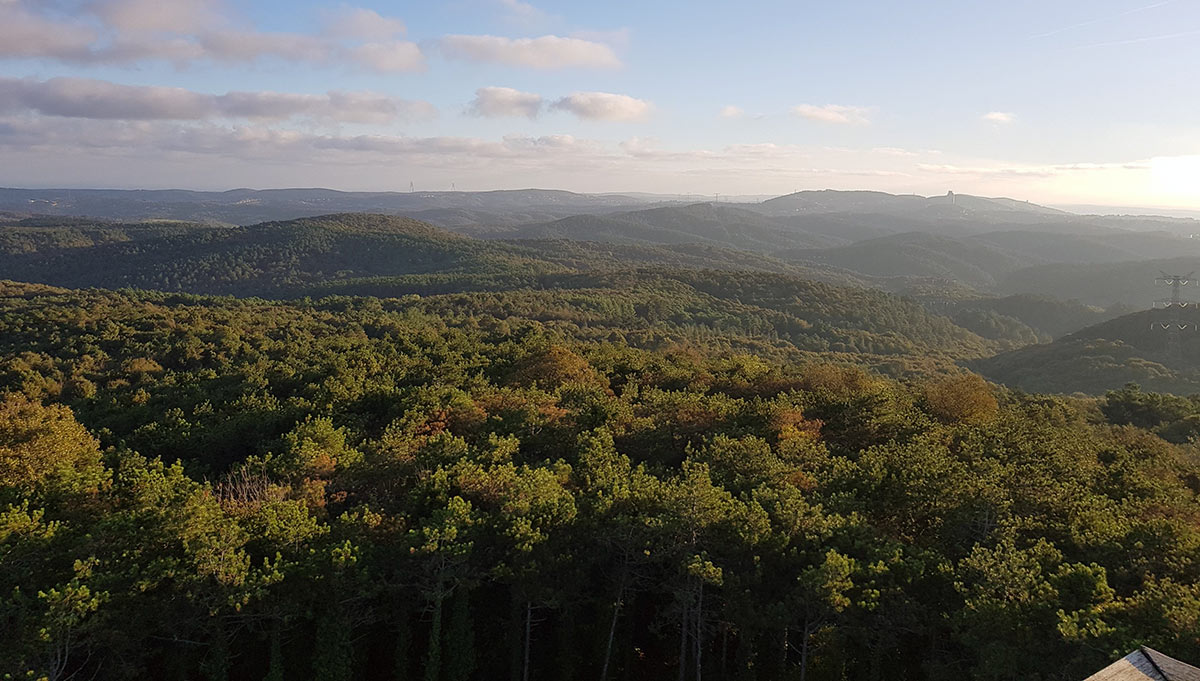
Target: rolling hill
663 292
704 223
249 206
1126 283
1129 349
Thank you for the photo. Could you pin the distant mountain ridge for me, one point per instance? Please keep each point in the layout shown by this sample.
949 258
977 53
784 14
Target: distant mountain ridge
248 206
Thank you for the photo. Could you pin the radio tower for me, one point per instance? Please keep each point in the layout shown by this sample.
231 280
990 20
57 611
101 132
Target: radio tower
1171 322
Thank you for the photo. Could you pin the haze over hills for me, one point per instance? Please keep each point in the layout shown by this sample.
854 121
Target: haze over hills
248 206
1008 273
728 225
1129 349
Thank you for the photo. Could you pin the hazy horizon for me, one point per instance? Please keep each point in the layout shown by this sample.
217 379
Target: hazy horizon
1082 209
1078 103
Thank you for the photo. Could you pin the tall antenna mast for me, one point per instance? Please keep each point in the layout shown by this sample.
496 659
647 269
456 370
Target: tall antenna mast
1171 322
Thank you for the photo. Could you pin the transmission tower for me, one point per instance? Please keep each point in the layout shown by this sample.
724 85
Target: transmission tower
1171 322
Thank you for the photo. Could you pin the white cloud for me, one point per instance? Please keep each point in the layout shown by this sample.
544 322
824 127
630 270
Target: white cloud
173 16
546 52
604 106
237 46
363 24
24 34
999 117
497 102
185 31
833 113
391 56
98 99
732 111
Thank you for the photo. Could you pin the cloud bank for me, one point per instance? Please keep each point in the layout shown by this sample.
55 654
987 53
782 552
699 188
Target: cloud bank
99 99
499 102
546 52
604 106
838 114
185 31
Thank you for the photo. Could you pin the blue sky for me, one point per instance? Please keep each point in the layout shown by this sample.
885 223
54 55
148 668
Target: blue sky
1055 101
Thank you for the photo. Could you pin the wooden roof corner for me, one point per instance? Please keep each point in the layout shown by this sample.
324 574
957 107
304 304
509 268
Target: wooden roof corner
1147 664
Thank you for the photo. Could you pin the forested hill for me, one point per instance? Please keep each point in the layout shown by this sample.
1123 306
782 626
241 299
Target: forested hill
388 256
471 487
1129 349
270 258
724 225
278 258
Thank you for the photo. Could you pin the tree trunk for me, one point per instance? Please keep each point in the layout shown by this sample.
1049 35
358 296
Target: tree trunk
275 654
783 651
804 651
724 651
528 635
433 663
516 636
612 628
698 637
683 637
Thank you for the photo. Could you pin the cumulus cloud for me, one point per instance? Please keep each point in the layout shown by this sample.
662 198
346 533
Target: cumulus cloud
499 102
732 111
270 144
24 34
98 99
394 56
999 117
176 16
364 24
185 31
546 52
833 113
603 106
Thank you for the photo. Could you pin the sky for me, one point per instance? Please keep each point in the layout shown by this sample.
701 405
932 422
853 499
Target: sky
1053 101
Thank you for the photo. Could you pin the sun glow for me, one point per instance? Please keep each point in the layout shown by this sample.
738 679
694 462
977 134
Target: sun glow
1177 177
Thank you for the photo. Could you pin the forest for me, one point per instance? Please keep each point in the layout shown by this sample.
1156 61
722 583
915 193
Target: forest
356 487
362 447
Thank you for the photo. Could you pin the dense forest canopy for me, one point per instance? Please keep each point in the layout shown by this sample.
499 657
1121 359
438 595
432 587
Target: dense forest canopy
404 453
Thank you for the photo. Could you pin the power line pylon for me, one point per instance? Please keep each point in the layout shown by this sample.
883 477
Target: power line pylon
1172 323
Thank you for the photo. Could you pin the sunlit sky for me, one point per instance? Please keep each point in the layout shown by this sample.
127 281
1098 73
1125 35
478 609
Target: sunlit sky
1055 101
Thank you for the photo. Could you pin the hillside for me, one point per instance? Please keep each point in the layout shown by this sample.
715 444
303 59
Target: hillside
758 302
248 206
271 258
960 205
705 223
1098 246
40 234
919 254
1045 317
279 258
1127 283
1129 349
